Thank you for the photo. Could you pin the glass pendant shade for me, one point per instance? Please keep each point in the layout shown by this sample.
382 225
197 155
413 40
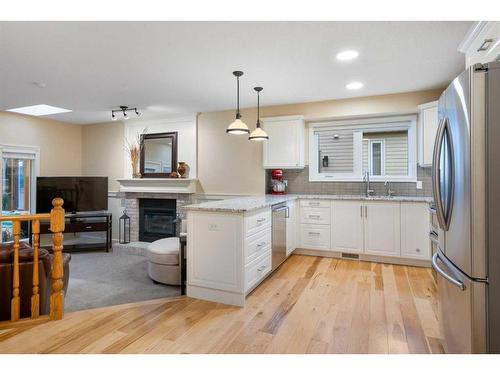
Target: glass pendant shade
258 135
237 127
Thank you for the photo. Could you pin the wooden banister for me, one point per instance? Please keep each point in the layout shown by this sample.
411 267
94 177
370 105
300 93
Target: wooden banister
57 222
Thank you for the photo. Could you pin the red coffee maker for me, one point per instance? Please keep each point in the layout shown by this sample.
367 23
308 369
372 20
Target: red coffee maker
278 184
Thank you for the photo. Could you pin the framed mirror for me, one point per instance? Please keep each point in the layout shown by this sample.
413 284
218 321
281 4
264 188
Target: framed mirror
158 154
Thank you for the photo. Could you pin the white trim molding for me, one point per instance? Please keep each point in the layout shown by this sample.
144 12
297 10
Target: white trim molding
158 185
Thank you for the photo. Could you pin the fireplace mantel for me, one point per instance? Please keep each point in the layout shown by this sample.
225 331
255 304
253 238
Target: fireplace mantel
158 185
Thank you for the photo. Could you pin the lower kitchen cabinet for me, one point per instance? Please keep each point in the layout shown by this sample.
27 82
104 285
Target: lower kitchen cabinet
382 228
347 226
315 236
414 223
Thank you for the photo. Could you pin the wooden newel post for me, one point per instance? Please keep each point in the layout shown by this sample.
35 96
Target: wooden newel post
15 302
57 229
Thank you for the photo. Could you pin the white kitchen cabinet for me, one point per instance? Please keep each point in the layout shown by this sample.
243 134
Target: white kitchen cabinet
347 226
415 227
427 129
228 254
313 236
285 148
482 43
291 227
382 228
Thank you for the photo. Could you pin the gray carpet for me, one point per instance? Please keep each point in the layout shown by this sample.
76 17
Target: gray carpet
104 279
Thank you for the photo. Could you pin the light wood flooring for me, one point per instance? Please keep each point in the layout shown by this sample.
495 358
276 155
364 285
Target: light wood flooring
310 305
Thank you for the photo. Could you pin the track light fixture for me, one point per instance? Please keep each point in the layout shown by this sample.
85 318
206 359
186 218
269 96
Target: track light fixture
124 109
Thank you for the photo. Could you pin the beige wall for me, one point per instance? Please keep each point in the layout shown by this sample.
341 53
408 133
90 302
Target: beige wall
60 143
103 151
229 164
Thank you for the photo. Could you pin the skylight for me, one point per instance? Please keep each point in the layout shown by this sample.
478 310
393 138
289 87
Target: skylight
39 110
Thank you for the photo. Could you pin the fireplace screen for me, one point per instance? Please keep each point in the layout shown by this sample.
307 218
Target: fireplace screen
157 219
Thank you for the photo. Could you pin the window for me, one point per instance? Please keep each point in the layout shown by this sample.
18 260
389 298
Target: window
345 150
17 172
16 181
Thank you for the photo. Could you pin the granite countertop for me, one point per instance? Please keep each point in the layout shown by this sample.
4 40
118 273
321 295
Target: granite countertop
245 204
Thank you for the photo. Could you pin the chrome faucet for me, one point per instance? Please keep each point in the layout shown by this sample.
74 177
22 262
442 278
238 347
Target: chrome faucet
366 179
388 190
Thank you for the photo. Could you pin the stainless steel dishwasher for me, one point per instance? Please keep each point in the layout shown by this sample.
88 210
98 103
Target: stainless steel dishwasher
280 215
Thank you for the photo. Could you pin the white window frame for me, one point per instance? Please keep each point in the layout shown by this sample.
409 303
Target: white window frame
23 152
371 142
359 126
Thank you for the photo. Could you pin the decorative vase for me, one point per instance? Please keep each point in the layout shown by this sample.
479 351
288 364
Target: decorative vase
182 168
135 169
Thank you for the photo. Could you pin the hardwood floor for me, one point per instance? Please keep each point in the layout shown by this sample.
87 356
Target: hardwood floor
310 305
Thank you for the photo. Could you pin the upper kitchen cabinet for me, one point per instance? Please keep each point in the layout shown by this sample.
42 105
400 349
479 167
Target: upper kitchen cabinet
482 43
285 147
427 130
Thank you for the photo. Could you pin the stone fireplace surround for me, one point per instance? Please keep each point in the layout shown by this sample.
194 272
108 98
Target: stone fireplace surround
130 202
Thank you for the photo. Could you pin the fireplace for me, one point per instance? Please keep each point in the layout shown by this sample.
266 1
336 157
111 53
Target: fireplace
157 219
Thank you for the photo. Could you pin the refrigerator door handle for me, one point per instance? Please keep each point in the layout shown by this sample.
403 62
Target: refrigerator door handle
443 218
445 275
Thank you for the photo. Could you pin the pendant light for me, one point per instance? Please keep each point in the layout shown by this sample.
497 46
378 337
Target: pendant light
258 134
237 126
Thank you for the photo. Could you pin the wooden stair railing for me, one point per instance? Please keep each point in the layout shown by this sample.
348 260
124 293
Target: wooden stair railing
56 217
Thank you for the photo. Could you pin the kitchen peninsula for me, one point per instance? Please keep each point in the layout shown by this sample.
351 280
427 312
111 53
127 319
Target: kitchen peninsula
230 247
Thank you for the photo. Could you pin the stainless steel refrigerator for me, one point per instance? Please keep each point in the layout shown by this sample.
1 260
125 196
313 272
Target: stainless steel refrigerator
466 184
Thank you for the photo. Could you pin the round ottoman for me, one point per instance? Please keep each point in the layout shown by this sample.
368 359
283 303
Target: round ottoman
163 261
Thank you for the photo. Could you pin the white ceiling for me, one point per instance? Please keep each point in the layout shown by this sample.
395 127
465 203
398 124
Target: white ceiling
170 68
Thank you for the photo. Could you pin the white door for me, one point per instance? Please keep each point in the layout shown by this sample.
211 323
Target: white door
291 227
382 228
415 227
347 226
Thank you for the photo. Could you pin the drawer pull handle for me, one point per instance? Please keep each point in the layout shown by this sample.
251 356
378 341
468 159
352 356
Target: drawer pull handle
314 233
261 268
313 216
261 244
88 227
259 221
313 203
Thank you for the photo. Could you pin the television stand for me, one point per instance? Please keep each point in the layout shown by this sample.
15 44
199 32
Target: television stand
85 223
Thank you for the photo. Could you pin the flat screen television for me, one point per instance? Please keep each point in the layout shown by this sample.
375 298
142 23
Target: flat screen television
80 194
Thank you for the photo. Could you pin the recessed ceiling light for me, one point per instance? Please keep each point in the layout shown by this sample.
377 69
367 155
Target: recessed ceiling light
39 110
354 85
347 55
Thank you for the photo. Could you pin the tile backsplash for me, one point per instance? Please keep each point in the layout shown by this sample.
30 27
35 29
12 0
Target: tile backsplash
298 182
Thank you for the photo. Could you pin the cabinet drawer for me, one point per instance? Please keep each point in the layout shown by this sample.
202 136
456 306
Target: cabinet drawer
257 244
257 270
258 221
315 203
315 236
85 227
319 215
